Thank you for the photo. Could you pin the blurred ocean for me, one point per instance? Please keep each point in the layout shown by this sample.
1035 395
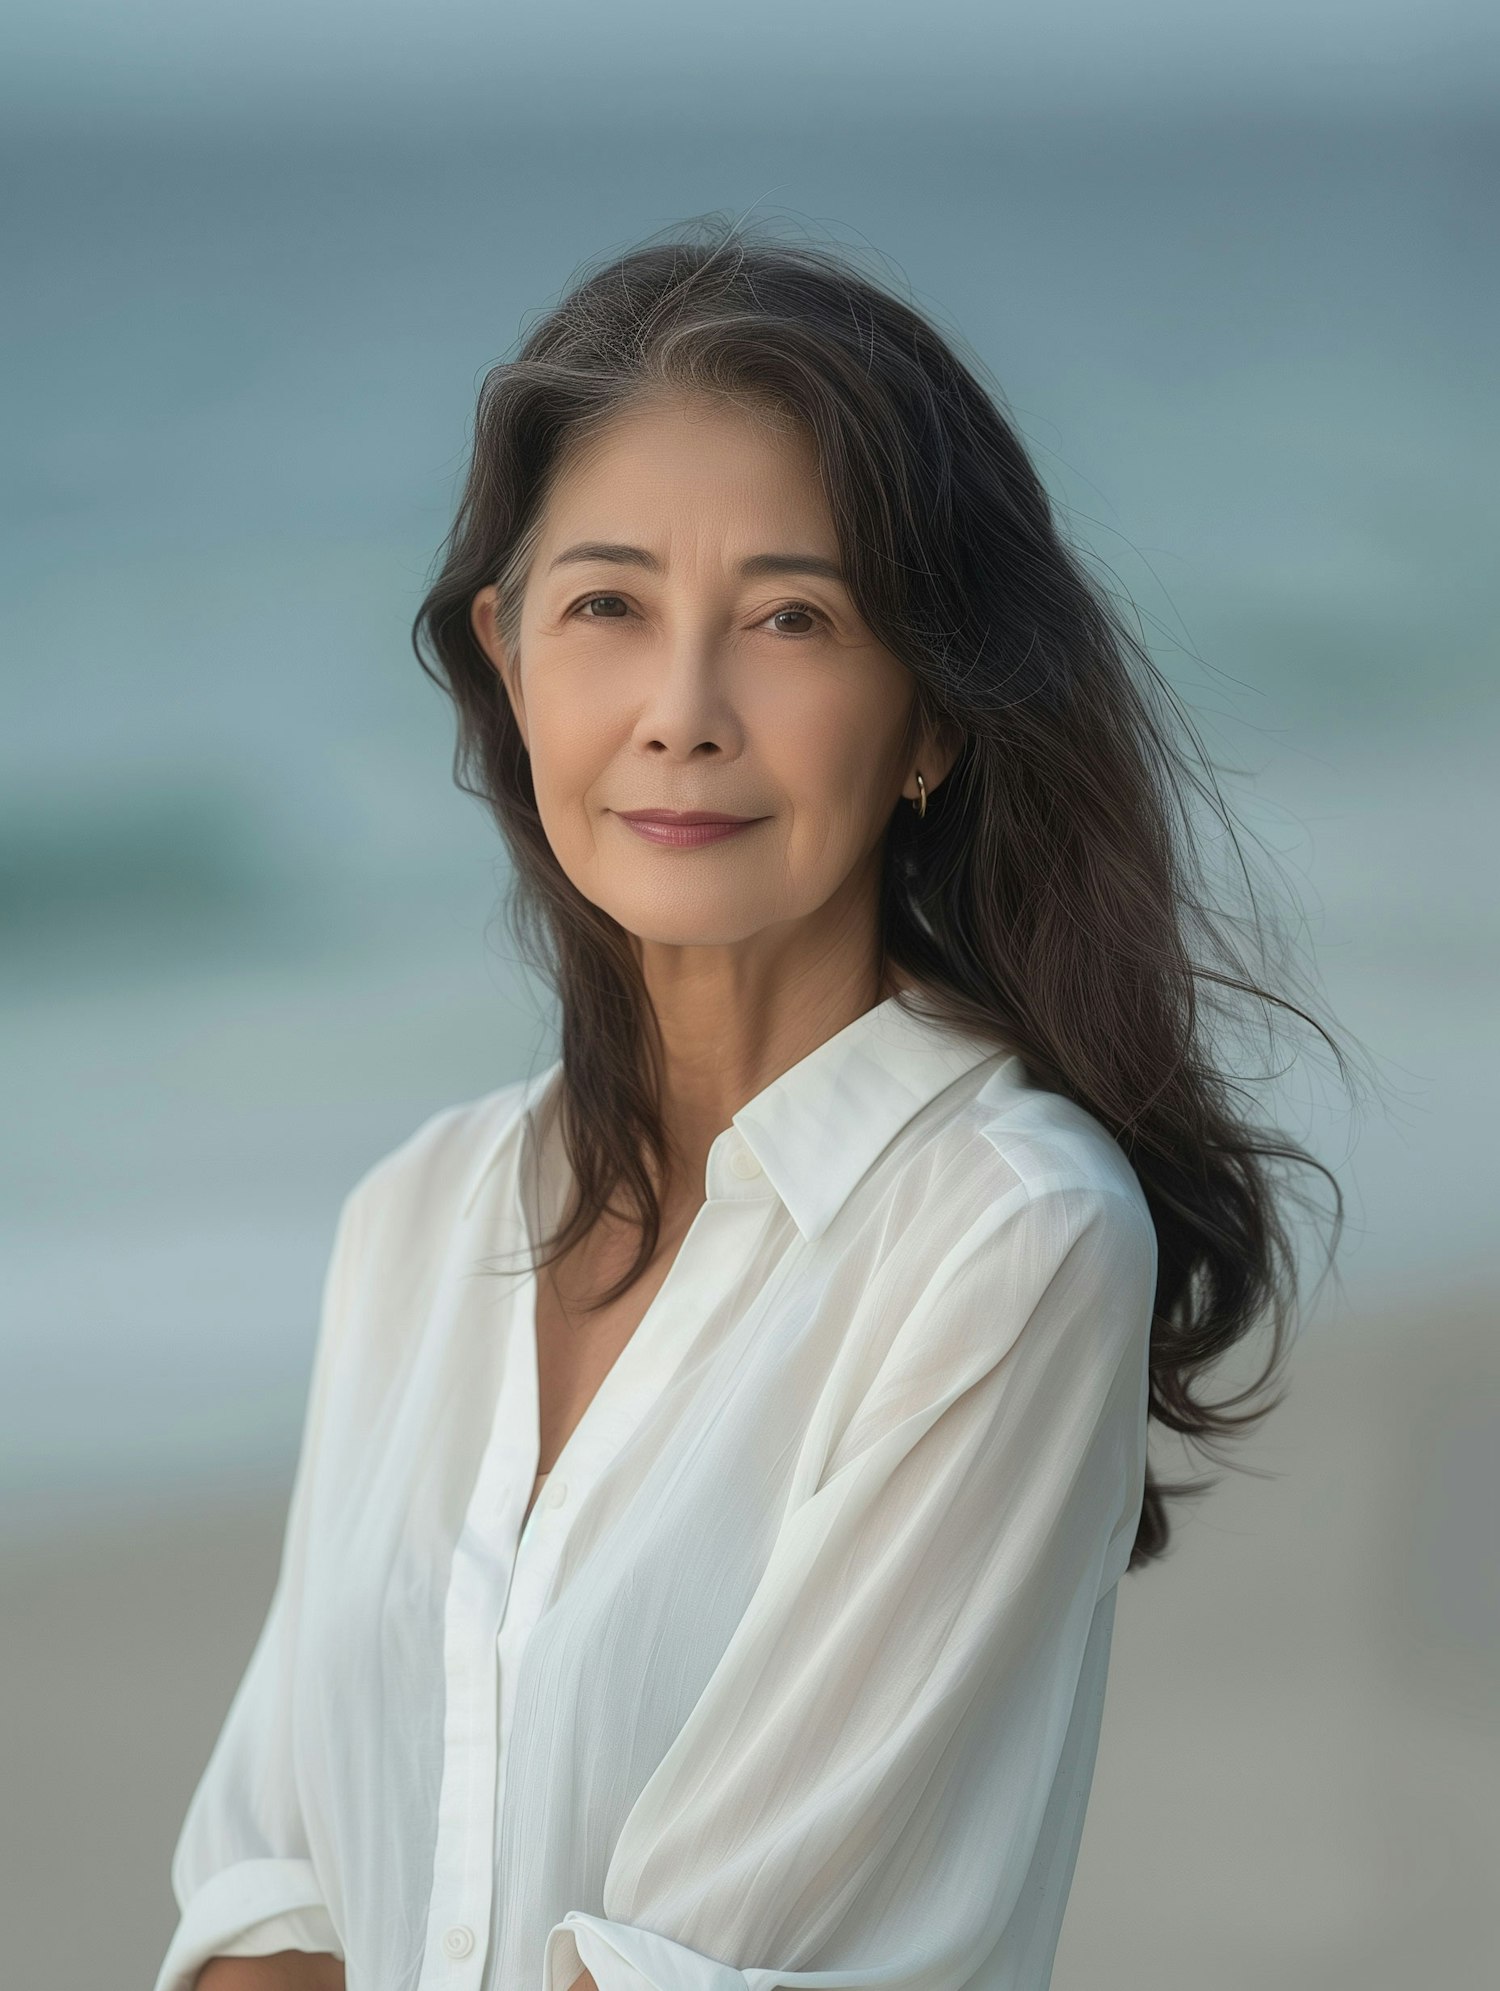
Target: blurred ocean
250 933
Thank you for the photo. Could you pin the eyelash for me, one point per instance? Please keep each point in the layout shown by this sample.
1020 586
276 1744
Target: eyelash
783 608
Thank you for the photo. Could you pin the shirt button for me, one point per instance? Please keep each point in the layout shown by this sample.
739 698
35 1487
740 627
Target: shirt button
744 1164
459 1941
557 1491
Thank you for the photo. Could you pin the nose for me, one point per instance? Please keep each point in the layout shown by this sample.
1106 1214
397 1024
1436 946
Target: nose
686 710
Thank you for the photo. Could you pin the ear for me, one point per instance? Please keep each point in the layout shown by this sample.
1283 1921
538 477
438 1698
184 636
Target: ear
936 752
483 621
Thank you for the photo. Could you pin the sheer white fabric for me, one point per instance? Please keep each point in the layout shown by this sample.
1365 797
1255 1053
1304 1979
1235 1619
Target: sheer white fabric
794 1674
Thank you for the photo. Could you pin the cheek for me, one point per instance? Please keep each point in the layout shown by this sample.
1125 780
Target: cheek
571 745
835 765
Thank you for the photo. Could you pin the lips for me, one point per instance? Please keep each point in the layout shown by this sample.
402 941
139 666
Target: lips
686 818
685 829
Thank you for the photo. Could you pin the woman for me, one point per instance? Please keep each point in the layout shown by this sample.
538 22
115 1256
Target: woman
723 1448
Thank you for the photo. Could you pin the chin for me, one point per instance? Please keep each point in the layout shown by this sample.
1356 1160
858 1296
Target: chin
686 934
683 925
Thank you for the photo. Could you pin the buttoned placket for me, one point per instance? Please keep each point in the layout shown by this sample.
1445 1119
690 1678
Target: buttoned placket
504 1564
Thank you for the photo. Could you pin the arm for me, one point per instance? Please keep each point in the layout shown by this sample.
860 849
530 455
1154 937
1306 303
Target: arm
252 1902
859 1797
287 1970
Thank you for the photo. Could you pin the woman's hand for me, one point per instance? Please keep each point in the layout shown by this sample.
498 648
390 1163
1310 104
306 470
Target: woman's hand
287 1970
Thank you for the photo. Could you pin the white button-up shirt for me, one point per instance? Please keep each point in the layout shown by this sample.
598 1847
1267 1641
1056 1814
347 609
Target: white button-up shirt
794 1674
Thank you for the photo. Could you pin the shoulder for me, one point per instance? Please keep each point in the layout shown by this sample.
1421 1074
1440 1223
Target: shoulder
1021 1162
1048 1141
430 1171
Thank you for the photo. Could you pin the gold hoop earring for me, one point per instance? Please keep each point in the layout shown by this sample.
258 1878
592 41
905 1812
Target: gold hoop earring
921 804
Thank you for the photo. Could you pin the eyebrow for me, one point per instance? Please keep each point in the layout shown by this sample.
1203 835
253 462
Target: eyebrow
751 569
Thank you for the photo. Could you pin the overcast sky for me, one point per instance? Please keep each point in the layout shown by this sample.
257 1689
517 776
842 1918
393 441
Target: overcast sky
204 58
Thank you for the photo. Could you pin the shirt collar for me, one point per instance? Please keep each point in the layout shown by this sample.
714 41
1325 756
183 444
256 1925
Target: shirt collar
816 1129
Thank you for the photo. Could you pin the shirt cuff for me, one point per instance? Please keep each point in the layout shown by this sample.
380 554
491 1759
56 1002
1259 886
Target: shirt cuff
253 1908
622 1958
303 1929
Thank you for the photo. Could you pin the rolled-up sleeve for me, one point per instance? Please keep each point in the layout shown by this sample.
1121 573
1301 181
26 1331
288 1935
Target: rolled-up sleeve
242 1873
858 1795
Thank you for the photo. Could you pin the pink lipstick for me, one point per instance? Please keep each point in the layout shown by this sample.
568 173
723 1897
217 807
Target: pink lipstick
685 829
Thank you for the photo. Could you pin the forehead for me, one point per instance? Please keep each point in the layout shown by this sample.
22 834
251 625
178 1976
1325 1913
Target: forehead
709 458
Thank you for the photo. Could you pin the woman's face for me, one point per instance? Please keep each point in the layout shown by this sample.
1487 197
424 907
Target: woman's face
686 645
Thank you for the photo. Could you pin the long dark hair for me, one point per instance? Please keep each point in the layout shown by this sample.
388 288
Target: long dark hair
1053 896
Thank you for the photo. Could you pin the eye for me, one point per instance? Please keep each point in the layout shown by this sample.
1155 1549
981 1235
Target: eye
803 608
617 608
